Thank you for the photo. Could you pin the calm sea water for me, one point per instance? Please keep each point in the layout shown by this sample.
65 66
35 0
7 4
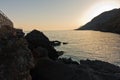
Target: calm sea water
88 45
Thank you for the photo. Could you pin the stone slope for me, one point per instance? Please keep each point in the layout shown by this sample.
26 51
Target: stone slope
108 21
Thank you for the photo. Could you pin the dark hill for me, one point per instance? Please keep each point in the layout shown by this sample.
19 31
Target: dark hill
108 21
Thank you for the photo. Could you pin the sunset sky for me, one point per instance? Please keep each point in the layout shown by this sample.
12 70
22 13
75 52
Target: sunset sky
54 14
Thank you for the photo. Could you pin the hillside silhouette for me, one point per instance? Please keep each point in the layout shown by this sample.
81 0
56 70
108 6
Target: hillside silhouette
108 21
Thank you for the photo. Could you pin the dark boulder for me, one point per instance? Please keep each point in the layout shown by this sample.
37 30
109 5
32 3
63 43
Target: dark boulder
47 69
37 39
101 66
55 43
20 33
68 61
16 59
104 70
65 43
58 43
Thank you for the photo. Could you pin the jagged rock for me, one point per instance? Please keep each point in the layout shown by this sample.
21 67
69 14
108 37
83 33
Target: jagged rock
68 61
65 43
16 59
58 43
20 33
38 53
55 43
4 20
37 39
7 32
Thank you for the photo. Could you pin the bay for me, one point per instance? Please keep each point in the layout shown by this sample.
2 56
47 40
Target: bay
88 45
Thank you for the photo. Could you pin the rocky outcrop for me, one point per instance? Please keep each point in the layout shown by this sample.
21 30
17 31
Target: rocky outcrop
67 69
37 39
19 33
16 59
107 22
4 20
55 43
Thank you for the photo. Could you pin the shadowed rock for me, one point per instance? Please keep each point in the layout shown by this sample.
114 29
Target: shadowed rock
68 61
101 66
47 69
20 33
66 69
37 39
55 43
65 43
15 58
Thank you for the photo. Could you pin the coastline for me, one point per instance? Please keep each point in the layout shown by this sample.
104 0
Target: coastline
32 57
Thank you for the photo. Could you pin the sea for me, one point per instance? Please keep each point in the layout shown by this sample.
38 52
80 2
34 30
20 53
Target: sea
93 45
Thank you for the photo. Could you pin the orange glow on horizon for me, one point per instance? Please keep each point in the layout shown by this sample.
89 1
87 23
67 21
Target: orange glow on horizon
56 15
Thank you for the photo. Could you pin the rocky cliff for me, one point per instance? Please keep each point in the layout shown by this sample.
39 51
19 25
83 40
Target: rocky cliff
108 21
16 59
4 20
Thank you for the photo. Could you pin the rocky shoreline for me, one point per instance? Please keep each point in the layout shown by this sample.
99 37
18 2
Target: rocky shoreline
33 57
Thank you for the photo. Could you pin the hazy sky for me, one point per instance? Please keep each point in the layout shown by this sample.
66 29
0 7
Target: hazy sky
54 14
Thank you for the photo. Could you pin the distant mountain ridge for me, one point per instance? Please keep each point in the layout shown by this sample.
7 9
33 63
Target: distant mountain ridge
108 21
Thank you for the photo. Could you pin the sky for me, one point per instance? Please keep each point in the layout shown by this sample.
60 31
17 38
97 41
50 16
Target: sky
54 14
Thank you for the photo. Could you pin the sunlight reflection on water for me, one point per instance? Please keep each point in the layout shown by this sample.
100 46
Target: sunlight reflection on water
89 44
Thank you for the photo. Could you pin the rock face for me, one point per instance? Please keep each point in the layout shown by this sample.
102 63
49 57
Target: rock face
37 39
4 20
16 59
107 21
47 69
55 43
66 69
